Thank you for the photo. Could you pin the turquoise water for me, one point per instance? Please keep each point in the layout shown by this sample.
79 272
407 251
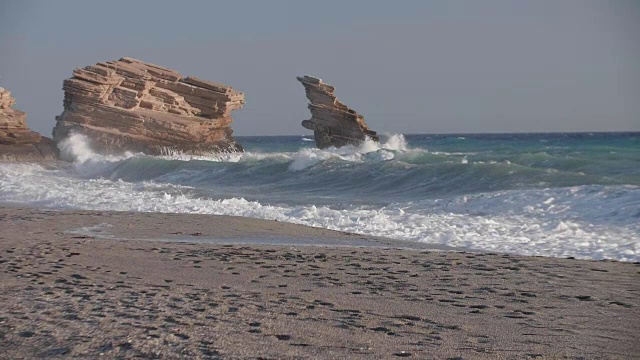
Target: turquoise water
536 194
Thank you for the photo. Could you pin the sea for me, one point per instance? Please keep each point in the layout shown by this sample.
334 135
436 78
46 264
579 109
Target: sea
558 194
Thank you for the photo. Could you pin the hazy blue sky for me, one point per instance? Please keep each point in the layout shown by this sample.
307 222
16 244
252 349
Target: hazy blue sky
407 66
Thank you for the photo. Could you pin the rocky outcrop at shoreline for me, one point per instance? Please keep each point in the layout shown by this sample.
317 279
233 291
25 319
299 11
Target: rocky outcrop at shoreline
333 123
17 141
131 105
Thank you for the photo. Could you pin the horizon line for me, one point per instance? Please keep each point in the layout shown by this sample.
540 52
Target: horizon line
481 133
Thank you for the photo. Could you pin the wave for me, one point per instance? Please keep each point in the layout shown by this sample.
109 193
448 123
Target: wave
375 173
533 200
586 221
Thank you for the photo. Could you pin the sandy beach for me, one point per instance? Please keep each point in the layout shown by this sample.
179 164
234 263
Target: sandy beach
83 284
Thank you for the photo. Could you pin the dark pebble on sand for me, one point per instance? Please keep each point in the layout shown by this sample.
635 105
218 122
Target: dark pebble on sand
380 328
106 347
56 352
620 304
70 317
181 336
402 354
125 346
478 306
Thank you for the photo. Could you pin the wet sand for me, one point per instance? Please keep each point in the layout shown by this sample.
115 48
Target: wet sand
81 284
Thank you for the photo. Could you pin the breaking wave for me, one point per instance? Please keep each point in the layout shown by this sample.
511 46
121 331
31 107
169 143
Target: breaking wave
529 199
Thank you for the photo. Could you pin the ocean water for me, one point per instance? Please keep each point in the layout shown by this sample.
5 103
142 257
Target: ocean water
533 194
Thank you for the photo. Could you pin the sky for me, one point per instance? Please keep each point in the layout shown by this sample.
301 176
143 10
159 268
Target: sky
407 66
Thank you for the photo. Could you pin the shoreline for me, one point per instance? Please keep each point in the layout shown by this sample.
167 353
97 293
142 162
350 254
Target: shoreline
212 229
69 289
241 231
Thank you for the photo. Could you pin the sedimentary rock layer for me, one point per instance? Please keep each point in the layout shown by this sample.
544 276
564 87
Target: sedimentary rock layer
130 105
333 123
17 141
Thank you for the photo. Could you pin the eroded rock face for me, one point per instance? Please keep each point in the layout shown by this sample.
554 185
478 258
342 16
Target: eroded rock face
333 123
130 105
17 141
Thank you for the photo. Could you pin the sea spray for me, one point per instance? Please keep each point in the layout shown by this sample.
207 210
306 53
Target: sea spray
395 142
385 149
76 148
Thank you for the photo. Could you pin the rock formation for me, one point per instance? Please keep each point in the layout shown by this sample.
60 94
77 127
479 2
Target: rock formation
333 123
17 142
130 105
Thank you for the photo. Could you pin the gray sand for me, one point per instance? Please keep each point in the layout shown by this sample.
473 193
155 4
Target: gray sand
98 285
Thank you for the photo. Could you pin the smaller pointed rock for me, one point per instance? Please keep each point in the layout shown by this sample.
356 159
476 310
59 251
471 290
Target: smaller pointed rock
333 123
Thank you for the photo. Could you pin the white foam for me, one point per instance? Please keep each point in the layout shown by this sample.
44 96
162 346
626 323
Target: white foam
547 222
77 148
369 149
395 142
93 231
214 157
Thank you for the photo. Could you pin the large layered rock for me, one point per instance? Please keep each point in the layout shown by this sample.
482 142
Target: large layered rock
333 123
130 105
17 142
